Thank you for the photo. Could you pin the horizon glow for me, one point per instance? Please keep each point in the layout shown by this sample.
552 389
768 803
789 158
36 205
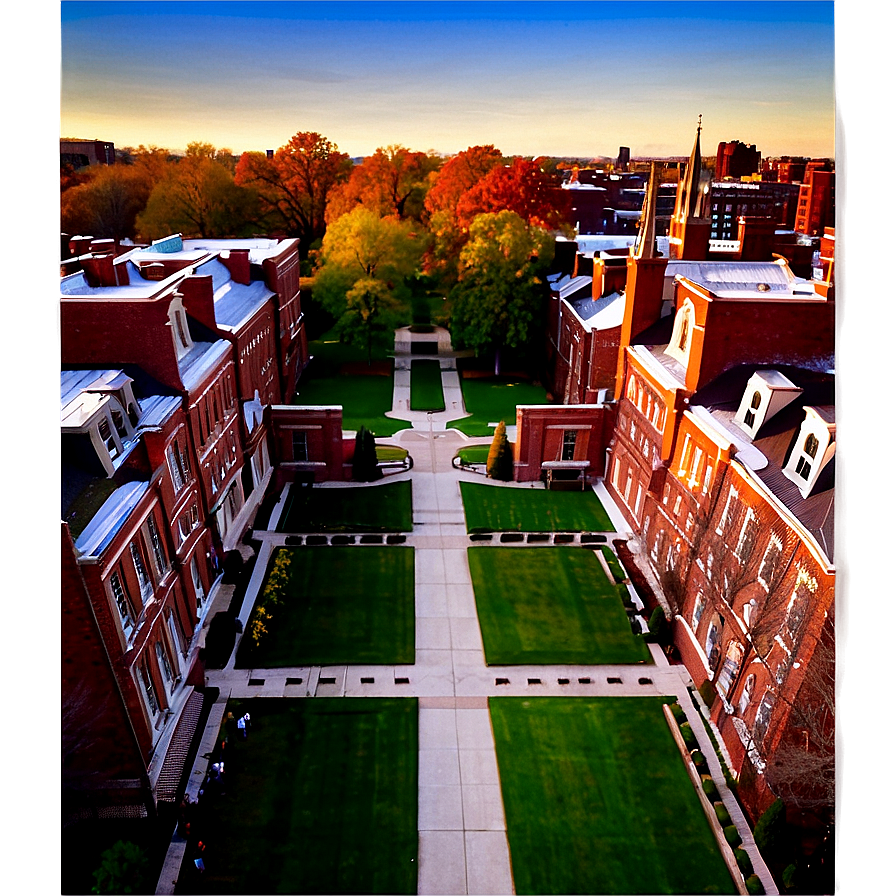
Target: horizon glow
575 79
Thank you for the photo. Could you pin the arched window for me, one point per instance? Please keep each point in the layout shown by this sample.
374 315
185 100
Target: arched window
733 656
685 332
746 695
750 414
810 449
712 646
763 715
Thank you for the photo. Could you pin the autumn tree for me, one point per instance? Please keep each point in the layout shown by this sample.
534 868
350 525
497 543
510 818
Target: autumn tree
393 181
500 296
364 265
456 176
520 187
294 185
197 197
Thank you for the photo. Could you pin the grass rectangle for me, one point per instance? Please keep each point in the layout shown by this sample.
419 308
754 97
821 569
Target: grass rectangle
549 606
369 508
338 605
426 386
597 799
501 508
364 401
492 399
320 798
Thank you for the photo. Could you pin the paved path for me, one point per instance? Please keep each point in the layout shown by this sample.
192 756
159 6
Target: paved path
462 830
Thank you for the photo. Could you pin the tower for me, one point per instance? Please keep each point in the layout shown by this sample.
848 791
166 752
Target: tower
689 227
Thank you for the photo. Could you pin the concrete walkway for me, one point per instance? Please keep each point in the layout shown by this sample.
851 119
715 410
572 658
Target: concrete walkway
463 845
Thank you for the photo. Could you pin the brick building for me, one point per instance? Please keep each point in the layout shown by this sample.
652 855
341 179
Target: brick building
735 159
84 153
137 571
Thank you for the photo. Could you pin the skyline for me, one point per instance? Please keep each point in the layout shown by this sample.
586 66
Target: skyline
578 79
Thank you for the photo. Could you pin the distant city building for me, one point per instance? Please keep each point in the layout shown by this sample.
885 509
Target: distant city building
623 159
84 153
736 160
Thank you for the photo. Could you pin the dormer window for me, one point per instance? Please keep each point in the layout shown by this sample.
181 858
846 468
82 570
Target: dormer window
177 317
682 334
767 393
809 450
750 413
812 449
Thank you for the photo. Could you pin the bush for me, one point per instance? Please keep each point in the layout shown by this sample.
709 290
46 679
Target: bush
754 886
499 464
732 837
709 788
771 829
364 464
657 627
687 734
123 868
698 759
678 713
743 862
722 815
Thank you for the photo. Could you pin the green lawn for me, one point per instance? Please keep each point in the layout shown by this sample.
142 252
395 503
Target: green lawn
320 798
549 606
363 508
426 386
352 605
492 399
598 800
497 508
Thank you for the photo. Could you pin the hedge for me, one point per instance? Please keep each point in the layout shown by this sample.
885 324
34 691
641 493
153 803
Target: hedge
709 788
722 815
754 885
687 733
743 862
732 836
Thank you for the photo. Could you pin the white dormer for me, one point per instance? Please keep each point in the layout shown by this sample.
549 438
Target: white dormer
767 393
682 333
177 318
813 448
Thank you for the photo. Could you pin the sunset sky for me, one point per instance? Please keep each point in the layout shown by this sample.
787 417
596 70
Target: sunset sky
553 78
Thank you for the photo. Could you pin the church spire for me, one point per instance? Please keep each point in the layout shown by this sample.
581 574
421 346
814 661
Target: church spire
645 244
690 207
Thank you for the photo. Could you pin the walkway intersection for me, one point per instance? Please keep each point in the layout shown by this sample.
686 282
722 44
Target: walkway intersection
463 846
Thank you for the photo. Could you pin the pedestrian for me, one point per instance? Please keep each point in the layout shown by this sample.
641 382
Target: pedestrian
241 725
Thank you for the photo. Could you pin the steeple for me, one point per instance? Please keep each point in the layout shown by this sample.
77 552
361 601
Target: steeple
690 209
645 244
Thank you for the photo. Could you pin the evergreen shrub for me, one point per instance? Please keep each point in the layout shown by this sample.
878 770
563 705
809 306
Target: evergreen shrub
743 862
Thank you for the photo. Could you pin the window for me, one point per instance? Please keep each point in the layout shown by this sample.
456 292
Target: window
770 561
750 414
733 656
728 512
176 632
683 335
197 585
105 430
677 505
763 715
747 539
804 463
746 695
569 444
699 607
164 664
686 452
148 688
713 650
177 464
299 446
158 551
122 601
140 567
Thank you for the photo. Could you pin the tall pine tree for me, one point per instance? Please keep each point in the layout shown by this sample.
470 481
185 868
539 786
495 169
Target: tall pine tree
500 458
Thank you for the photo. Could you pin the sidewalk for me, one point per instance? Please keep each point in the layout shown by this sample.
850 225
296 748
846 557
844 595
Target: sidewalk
463 846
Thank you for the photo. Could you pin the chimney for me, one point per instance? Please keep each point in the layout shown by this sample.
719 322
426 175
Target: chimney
757 237
102 247
80 245
237 262
99 270
198 297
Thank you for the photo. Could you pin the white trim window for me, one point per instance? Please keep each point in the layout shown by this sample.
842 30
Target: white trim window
143 578
746 694
763 717
699 607
730 666
177 465
149 689
119 588
728 512
158 549
747 539
770 560
198 588
165 664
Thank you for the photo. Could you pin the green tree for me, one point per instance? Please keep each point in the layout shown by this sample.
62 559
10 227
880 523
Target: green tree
499 464
197 196
123 869
363 270
364 463
500 297
770 833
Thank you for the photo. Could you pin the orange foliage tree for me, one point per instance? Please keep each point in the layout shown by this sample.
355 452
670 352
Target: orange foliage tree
294 185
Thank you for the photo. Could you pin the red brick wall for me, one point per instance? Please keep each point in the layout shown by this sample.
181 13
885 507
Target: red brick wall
539 437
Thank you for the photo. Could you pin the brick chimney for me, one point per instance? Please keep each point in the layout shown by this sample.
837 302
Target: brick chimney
757 238
80 245
237 262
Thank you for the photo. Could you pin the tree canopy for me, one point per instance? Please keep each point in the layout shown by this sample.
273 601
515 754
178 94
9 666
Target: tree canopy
294 185
364 264
393 181
500 296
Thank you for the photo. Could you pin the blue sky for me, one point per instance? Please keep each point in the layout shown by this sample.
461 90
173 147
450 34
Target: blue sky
554 78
